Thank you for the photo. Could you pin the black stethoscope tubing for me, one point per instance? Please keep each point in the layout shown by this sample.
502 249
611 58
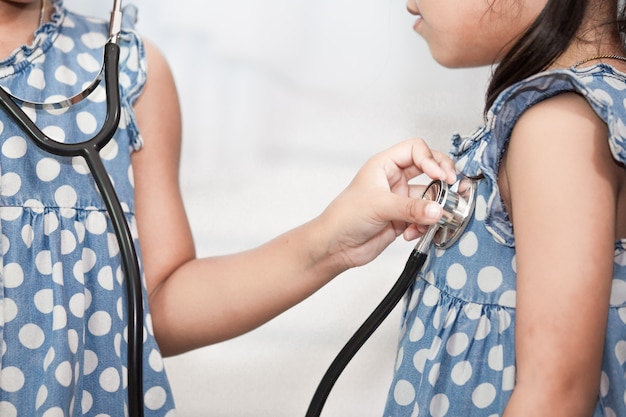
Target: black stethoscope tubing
413 265
89 150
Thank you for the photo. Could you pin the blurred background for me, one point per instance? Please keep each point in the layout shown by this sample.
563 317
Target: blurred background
282 102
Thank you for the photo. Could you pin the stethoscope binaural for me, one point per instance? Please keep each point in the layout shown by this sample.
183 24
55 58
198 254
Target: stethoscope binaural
89 150
458 202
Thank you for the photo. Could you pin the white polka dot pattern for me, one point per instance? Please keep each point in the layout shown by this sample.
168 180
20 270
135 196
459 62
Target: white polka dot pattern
457 350
62 290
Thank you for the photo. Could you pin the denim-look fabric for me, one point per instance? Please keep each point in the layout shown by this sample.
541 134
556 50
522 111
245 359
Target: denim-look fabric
63 317
456 355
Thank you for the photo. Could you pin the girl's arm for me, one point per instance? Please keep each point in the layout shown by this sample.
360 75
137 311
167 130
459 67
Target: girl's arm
560 184
195 302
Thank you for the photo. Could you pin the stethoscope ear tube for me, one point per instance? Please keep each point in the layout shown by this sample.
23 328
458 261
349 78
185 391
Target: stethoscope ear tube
89 150
414 264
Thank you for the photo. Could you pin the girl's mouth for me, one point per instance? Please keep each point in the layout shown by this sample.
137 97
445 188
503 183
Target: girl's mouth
412 8
418 20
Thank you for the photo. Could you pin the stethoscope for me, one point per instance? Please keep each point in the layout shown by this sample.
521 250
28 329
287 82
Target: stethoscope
89 150
458 202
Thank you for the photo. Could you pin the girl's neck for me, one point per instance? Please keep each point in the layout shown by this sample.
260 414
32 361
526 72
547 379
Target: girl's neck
18 22
592 54
598 36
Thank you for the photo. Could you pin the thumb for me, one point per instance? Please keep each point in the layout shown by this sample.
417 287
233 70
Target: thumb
415 210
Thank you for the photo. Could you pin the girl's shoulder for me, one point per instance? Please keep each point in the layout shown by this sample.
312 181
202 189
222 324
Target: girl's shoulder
602 86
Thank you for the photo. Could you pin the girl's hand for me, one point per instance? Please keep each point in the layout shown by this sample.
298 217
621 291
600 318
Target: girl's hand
380 204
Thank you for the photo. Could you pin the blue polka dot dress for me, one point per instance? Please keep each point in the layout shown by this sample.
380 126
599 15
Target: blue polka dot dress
456 354
62 293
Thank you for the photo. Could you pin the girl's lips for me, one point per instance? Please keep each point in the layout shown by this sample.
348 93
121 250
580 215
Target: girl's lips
411 8
417 21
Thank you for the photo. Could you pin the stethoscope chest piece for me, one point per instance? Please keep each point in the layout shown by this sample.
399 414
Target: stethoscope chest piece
458 203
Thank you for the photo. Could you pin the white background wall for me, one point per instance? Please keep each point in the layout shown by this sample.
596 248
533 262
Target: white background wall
282 102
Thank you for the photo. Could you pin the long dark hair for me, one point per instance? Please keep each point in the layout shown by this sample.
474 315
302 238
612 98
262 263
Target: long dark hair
547 38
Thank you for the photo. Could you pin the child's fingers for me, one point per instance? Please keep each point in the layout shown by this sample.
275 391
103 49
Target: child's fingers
416 157
447 164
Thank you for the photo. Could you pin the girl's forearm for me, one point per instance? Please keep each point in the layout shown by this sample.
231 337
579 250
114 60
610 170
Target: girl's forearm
213 299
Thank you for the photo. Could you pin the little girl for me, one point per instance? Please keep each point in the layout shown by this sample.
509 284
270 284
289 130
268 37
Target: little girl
526 315
62 293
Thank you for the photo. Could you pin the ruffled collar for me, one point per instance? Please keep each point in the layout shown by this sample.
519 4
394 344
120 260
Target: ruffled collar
45 35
